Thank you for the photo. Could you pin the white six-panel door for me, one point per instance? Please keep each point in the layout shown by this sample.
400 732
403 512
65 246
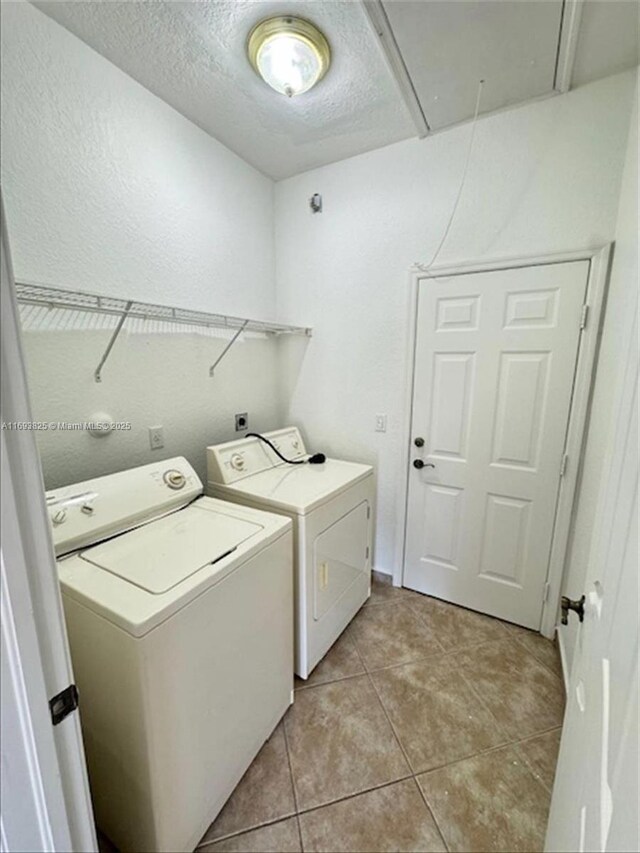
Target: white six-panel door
494 367
595 796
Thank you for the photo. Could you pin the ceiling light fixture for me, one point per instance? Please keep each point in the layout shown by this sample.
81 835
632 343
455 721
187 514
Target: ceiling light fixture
290 54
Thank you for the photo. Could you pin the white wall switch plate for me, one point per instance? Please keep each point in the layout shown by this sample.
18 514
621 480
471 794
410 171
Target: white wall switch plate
156 437
381 423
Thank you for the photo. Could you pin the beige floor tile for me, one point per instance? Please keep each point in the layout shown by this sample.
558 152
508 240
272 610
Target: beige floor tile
340 742
264 794
385 593
490 802
436 715
544 650
391 634
282 837
455 627
393 818
341 661
541 754
524 696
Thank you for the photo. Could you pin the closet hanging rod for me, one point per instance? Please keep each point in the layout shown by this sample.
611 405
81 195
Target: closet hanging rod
77 300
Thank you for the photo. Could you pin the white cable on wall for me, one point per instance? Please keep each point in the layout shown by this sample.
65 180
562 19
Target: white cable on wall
427 267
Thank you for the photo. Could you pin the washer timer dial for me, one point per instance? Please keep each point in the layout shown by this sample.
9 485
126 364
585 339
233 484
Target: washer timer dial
174 479
237 462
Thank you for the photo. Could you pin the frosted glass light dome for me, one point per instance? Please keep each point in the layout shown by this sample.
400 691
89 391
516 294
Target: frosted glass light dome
290 54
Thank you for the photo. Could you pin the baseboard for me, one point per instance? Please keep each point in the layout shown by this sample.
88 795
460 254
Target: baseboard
382 576
563 658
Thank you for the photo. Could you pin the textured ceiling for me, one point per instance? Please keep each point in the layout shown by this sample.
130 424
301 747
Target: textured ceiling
192 55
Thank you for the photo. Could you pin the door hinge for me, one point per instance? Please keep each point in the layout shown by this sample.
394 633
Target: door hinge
545 592
63 704
563 465
584 315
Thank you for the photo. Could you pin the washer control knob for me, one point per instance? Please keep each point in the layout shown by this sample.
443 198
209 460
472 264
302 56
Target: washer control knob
174 478
237 462
58 516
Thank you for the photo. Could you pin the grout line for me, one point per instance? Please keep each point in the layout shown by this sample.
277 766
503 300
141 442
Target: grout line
502 730
389 602
444 765
306 686
511 738
393 729
307 811
244 830
353 642
509 741
408 662
482 752
291 776
539 660
529 764
412 775
357 794
299 832
432 813
539 734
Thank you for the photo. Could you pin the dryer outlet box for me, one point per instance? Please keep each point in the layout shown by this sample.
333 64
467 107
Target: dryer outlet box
242 421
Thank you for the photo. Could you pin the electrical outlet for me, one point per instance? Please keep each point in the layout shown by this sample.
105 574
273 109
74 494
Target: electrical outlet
381 423
242 421
156 437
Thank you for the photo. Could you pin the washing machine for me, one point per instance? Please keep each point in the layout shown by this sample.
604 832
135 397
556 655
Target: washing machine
179 614
331 505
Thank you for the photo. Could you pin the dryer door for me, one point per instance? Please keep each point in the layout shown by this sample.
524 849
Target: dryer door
341 556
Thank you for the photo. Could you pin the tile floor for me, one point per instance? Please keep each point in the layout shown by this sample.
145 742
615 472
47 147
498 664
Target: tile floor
426 727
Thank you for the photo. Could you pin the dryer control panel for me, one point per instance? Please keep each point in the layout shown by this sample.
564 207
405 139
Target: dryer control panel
235 460
84 513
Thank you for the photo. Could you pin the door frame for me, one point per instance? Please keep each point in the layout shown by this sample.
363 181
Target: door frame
46 761
599 265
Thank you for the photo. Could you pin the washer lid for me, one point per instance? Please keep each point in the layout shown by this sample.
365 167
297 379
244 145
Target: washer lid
161 554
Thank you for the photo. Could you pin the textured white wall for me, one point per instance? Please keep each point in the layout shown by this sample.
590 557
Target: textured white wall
108 189
149 379
543 178
621 309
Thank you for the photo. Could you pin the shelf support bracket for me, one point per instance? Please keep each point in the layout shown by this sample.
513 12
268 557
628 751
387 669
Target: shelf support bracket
97 372
227 348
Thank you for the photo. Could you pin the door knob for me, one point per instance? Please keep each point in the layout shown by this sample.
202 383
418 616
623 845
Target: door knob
567 604
419 442
418 463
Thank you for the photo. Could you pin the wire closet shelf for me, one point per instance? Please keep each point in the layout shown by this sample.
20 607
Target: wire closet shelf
77 300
